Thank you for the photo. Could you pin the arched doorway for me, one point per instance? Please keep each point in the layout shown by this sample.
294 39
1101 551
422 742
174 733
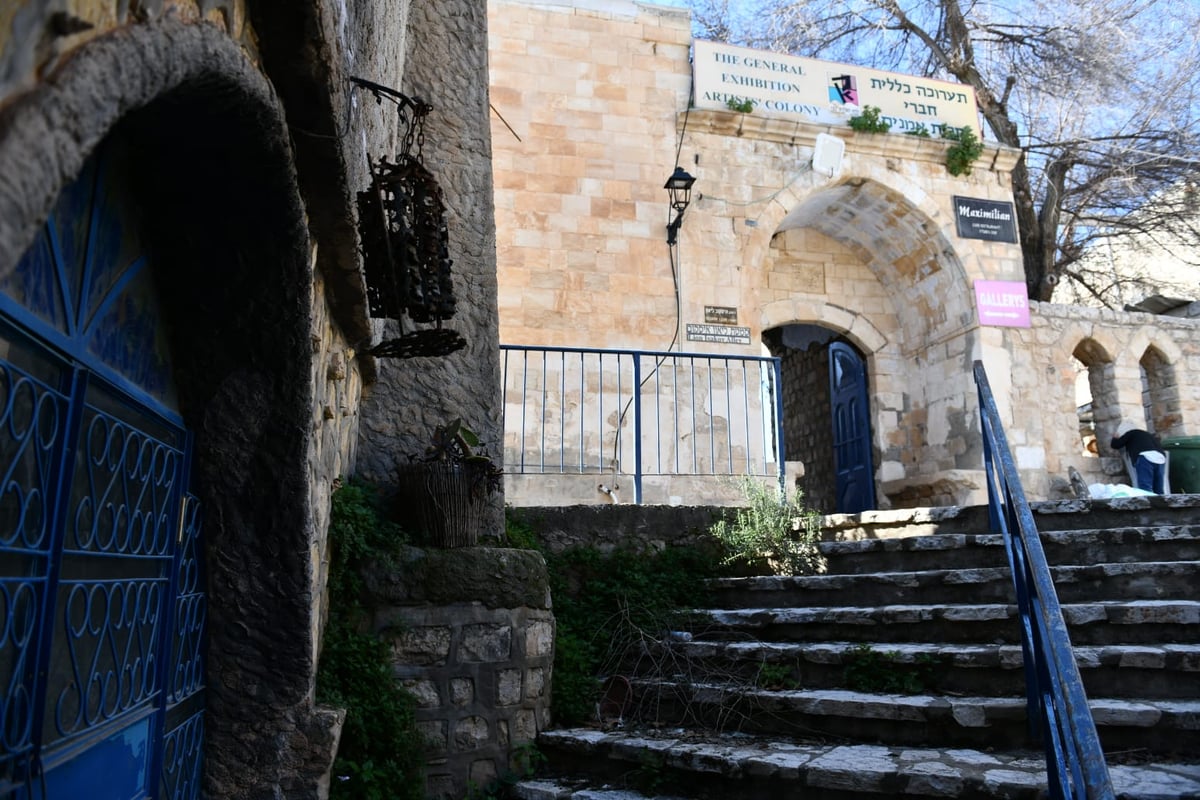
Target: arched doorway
826 416
233 269
100 557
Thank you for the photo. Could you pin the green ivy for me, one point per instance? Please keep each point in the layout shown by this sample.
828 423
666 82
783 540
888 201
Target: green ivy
776 676
870 121
381 754
743 105
518 531
871 670
603 603
964 152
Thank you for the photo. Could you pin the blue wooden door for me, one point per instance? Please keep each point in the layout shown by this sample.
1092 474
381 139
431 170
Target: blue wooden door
101 587
850 404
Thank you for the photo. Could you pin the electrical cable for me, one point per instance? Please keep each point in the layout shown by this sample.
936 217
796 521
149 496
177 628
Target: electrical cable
672 256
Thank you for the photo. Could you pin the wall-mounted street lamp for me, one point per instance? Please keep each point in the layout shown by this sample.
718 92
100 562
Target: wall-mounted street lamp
679 185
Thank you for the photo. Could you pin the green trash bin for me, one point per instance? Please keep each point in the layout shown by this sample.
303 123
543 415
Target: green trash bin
1185 463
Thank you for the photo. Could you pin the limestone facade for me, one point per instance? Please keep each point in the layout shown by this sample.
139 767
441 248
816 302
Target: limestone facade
592 115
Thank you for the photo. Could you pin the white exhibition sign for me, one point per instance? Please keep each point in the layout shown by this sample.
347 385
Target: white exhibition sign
827 92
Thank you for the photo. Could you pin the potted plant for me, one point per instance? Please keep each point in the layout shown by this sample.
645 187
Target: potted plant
447 488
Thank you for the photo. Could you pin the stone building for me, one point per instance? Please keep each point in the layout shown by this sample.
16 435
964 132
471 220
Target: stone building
184 320
861 267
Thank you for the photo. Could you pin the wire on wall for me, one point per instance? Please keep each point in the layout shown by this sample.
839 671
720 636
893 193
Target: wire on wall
672 256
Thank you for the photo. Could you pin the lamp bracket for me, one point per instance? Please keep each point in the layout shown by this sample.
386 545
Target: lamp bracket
410 110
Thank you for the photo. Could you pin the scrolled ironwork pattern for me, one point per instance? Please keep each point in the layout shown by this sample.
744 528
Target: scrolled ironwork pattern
183 748
130 479
111 642
31 427
31 422
102 606
20 605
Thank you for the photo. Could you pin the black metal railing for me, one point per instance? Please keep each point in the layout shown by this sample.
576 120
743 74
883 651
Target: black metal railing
1057 707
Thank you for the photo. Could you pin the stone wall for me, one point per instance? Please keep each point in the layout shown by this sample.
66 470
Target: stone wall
337 384
446 65
1043 422
472 636
608 528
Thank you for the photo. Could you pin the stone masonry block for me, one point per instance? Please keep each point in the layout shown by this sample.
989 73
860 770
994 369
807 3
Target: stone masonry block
425 692
539 638
471 733
508 687
535 683
502 735
462 691
434 732
422 646
483 771
524 726
485 643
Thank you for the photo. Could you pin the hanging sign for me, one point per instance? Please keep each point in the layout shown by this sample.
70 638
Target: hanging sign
1002 303
827 92
985 219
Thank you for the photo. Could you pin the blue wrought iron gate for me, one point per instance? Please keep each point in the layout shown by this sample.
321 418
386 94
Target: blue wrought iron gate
851 430
102 604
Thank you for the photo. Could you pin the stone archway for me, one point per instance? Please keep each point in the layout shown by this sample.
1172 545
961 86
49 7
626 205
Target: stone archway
858 257
226 227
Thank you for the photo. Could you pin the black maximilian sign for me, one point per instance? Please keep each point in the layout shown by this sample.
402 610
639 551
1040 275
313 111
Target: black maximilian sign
985 219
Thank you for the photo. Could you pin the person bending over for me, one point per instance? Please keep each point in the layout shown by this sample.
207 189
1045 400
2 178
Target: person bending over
1146 454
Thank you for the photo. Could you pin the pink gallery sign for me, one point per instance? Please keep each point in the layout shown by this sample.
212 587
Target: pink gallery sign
1002 303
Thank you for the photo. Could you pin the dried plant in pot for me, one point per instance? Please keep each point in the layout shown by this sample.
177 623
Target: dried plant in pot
446 490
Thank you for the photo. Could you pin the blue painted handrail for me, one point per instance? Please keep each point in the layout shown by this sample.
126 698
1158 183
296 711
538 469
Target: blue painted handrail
641 412
1057 707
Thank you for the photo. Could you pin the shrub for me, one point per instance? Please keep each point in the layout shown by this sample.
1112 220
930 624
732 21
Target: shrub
742 104
773 529
966 149
870 121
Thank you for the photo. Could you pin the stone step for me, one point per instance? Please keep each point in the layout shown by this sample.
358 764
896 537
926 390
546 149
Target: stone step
1145 671
1061 515
1100 623
970 551
1121 581
1169 727
738 767
551 789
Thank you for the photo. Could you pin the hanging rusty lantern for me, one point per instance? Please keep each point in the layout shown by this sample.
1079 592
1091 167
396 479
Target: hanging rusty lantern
405 243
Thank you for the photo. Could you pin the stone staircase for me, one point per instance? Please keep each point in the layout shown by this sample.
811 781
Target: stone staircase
898 672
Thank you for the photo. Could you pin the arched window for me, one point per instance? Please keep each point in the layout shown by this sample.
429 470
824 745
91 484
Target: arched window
1095 396
1160 393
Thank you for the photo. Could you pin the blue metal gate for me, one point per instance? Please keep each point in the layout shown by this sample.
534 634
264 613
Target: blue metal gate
851 430
102 604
